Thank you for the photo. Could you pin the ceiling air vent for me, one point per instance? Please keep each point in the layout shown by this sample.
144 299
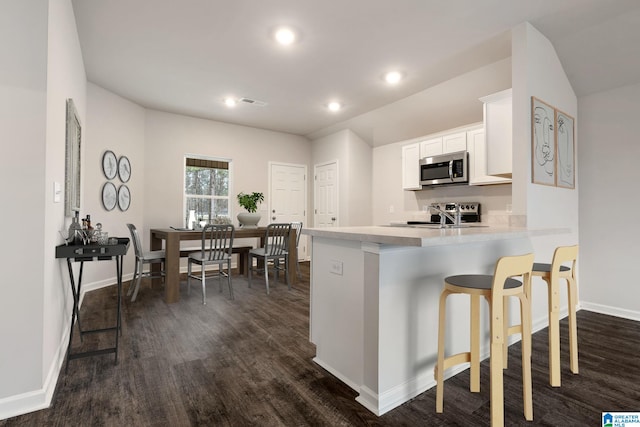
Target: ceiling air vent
253 102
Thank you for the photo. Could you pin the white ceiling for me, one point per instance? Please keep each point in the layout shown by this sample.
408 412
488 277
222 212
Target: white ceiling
185 56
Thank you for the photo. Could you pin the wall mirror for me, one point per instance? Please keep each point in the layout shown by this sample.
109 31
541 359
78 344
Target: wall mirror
72 158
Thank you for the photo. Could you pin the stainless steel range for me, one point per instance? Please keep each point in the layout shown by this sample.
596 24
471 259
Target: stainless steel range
469 212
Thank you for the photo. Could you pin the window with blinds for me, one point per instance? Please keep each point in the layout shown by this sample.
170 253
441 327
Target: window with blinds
206 189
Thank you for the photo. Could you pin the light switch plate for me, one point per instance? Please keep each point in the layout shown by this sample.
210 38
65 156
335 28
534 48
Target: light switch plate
57 192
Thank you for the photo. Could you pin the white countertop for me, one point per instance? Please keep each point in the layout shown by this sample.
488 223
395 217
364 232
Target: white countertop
409 236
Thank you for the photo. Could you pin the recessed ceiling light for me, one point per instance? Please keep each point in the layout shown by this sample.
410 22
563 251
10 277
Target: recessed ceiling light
285 36
230 102
334 106
393 77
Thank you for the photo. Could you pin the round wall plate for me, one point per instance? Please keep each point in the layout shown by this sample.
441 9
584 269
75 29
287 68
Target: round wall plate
109 164
124 198
124 169
109 196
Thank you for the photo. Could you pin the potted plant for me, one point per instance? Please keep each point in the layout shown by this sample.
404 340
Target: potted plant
250 202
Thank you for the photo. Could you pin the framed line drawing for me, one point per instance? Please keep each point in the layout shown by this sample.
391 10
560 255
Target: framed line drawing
543 143
565 150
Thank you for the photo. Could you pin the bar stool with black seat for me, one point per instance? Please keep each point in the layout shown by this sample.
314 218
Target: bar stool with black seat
216 248
142 258
495 289
276 244
552 274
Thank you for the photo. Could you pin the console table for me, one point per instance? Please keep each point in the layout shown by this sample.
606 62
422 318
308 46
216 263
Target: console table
86 253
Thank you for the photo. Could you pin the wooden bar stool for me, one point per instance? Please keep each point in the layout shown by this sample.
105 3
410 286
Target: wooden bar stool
552 273
495 289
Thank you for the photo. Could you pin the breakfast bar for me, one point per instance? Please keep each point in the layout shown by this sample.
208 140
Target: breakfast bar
374 301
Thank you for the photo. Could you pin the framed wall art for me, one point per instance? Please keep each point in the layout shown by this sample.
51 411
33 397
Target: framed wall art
543 143
72 161
124 169
124 198
565 150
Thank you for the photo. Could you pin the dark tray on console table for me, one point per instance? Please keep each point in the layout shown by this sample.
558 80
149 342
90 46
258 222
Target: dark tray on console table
88 252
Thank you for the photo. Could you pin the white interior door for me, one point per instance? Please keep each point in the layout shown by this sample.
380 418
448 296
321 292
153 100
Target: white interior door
288 197
326 195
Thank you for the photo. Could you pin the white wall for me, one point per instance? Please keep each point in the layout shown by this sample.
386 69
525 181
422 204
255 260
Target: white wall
354 158
609 230
537 71
116 124
169 137
42 67
23 79
358 170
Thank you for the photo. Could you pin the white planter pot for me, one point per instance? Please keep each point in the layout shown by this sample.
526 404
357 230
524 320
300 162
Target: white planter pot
248 219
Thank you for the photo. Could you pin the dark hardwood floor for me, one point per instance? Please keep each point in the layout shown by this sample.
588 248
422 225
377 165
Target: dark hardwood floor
249 362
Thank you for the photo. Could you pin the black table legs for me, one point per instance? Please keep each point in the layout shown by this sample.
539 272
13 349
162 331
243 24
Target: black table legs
75 314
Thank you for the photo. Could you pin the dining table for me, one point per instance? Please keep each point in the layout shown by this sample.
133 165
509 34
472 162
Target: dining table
169 239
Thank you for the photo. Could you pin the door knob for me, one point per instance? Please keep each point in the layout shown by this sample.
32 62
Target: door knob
273 218
273 211
333 219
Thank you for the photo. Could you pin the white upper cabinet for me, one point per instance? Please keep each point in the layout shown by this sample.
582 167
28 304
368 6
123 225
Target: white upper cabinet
478 160
431 147
498 134
447 143
454 142
411 167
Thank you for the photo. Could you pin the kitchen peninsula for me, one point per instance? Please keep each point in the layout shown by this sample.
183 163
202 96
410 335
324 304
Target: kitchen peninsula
374 301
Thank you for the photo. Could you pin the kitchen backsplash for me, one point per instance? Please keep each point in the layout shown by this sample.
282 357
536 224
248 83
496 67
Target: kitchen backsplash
495 201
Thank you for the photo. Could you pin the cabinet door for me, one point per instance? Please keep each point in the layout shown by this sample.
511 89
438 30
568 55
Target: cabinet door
431 147
454 142
498 125
477 148
411 167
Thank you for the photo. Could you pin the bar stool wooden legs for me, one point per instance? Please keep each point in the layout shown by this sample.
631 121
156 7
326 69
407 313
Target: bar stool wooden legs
552 273
495 289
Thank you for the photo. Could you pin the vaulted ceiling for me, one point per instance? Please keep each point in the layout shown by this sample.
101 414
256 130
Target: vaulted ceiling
186 56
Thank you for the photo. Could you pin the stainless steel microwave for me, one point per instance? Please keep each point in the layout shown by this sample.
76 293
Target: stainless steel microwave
451 168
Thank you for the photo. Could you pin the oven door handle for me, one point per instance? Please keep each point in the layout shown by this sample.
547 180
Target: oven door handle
451 170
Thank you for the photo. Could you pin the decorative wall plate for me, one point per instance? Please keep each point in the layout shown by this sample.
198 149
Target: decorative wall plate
109 164
124 198
109 196
124 169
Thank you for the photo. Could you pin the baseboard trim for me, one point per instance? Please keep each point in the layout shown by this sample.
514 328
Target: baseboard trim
336 373
37 400
611 311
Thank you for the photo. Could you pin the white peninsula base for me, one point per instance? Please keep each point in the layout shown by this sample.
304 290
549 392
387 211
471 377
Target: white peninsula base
374 303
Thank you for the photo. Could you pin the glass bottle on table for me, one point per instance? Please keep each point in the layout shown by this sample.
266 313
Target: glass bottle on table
75 230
